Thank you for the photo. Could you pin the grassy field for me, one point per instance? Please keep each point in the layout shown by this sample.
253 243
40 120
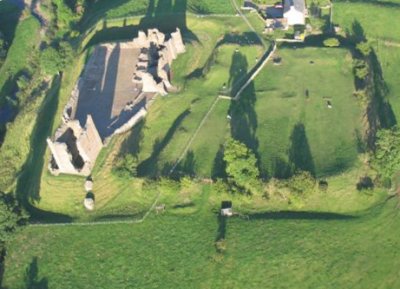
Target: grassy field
294 126
373 17
177 250
155 9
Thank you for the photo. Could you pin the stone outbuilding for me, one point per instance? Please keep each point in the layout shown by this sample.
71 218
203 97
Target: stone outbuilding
226 209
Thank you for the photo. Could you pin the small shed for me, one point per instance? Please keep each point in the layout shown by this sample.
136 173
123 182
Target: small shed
226 209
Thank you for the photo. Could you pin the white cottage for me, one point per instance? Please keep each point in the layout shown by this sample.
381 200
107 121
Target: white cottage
294 11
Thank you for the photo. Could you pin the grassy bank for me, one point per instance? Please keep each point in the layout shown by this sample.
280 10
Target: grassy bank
24 45
177 250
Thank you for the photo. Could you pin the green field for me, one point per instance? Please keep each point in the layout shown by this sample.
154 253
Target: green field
177 250
294 125
374 18
155 9
336 237
276 119
373 21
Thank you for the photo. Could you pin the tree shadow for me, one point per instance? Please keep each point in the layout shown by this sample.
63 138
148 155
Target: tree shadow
32 280
166 16
387 118
9 20
221 231
281 169
149 167
133 142
300 215
242 112
187 167
219 165
300 156
243 39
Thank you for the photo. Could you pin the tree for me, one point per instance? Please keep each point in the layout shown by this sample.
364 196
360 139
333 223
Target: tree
11 217
387 152
126 166
332 42
241 165
55 59
361 69
301 183
364 48
51 61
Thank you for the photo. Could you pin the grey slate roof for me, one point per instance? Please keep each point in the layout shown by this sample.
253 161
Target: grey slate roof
299 5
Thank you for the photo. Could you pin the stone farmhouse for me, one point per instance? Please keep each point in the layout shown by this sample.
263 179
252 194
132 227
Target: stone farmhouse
118 84
294 11
282 14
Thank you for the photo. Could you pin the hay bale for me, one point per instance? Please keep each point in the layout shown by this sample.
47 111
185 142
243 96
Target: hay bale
88 185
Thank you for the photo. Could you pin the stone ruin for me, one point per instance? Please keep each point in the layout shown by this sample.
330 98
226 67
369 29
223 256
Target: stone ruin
75 149
155 60
88 123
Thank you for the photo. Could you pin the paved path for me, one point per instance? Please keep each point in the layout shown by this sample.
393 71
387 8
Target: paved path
266 57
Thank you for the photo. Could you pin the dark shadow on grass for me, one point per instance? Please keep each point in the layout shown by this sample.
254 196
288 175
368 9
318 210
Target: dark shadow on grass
387 4
185 168
281 169
242 112
219 165
291 215
32 280
221 231
28 182
244 39
133 142
300 156
9 20
387 118
149 167
120 217
165 16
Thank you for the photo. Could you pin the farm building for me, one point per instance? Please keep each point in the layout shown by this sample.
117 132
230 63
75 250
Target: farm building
294 11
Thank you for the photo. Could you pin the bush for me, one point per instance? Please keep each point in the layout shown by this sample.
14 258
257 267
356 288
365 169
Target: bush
126 166
220 245
361 68
301 183
364 48
386 159
55 59
220 187
332 42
